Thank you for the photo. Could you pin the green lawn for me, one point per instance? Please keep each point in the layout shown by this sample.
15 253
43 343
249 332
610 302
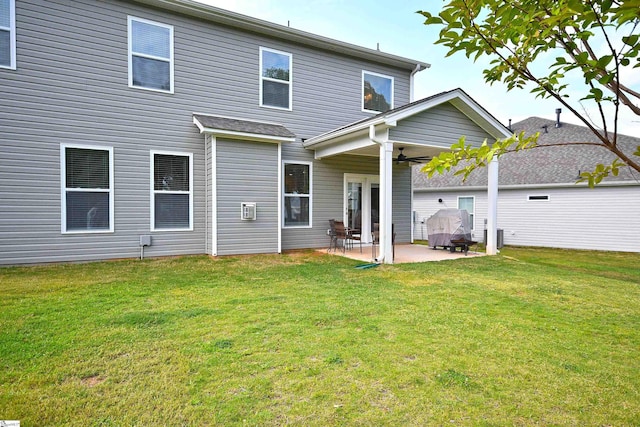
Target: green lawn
529 337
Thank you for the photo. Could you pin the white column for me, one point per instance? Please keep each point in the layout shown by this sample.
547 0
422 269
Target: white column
492 210
386 202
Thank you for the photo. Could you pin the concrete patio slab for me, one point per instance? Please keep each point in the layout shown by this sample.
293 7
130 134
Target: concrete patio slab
406 253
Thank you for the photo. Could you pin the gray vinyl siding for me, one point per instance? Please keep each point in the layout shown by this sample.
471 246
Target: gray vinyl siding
402 203
246 172
573 218
444 125
328 199
71 86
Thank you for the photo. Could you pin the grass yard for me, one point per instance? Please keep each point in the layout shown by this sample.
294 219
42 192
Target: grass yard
529 337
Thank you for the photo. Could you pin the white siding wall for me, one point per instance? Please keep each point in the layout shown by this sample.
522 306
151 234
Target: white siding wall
604 218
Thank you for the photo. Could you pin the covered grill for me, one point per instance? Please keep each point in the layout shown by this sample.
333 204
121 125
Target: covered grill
449 228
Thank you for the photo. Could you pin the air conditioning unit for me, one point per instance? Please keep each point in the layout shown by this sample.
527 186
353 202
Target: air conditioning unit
248 211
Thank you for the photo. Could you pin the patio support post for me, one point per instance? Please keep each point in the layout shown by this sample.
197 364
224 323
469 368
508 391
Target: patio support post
386 202
492 210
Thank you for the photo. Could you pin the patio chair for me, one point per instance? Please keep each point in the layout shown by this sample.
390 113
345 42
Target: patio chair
341 234
354 235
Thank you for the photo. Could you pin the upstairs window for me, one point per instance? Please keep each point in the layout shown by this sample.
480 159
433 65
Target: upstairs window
7 34
377 92
171 191
275 79
87 188
150 55
297 194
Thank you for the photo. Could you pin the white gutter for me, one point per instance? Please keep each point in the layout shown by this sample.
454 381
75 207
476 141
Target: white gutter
412 87
525 186
236 20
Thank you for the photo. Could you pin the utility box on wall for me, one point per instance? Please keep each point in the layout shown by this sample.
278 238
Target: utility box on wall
248 211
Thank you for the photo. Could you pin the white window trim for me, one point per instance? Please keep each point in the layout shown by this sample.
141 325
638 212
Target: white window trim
310 195
12 36
473 223
64 189
545 198
290 82
362 90
153 191
130 53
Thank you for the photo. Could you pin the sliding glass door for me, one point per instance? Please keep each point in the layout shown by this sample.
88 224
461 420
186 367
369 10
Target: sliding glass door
361 203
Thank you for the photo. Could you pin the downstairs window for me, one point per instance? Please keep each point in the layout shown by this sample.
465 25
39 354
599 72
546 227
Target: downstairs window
171 191
87 188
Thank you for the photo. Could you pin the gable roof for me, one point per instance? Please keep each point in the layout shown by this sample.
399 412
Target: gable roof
543 166
457 97
259 26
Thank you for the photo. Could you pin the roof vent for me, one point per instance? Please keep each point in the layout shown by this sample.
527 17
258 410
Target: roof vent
558 111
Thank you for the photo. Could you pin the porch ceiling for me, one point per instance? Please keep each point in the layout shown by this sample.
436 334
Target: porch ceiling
410 149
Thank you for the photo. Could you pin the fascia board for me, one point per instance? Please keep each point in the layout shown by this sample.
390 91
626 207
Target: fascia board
346 132
548 186
486 121
224 133
335 149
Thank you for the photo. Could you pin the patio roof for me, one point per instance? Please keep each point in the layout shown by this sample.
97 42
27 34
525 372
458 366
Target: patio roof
355 138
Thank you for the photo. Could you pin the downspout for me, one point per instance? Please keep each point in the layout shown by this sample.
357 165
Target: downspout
207 141
415 71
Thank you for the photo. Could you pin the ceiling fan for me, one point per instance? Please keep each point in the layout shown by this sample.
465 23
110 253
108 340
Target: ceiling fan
403 158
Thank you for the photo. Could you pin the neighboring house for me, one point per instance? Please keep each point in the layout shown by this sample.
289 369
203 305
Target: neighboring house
173 127
539 202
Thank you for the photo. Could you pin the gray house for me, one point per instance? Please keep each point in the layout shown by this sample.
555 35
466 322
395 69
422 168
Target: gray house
539 202
169 127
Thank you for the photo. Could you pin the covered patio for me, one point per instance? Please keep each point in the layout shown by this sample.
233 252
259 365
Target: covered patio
414 132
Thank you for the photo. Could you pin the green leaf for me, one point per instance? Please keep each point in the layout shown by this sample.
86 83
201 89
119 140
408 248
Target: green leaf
631 40
606 79
604 61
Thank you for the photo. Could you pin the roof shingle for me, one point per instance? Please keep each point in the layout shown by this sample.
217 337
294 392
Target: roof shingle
544 165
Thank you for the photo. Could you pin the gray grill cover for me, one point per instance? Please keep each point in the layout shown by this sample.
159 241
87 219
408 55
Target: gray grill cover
446 225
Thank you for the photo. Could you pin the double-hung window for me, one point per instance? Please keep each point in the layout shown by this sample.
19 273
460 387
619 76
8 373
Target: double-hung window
171 191
297 194
468 203
7 34
275 79
87 188
150 55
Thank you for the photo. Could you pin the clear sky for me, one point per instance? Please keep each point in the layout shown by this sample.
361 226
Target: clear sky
395 26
